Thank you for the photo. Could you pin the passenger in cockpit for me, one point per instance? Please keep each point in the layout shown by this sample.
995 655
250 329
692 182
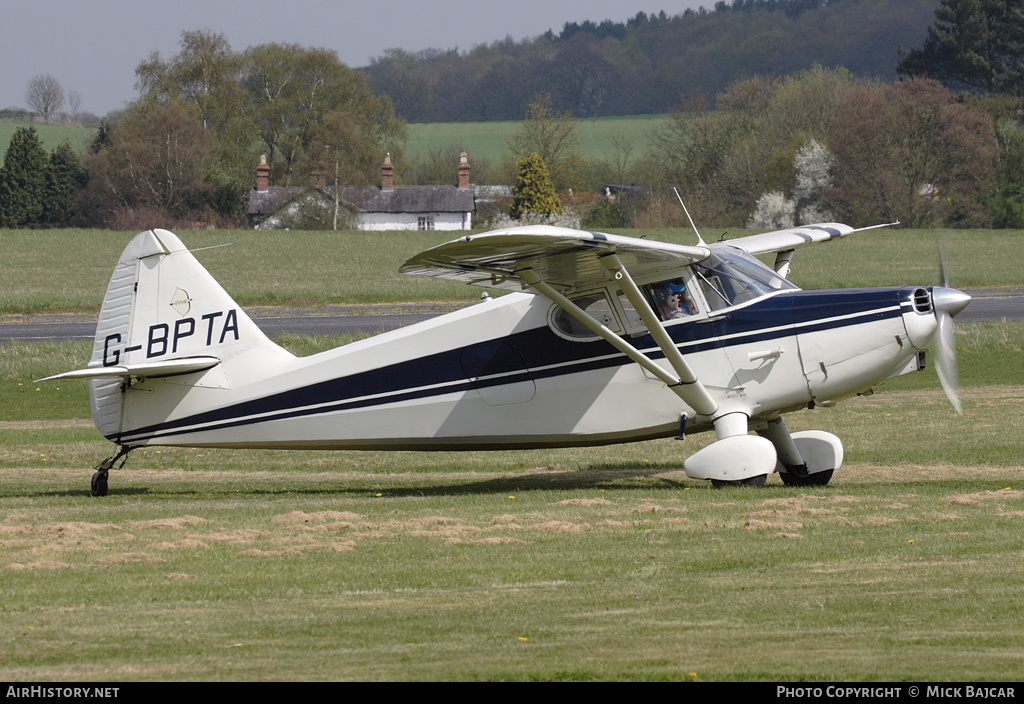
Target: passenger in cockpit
673 301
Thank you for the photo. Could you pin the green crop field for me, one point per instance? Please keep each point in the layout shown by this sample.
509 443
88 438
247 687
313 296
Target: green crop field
489 140
571 564
51 136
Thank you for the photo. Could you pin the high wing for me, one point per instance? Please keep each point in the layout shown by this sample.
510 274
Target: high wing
791 238
785 241
556 261
568 260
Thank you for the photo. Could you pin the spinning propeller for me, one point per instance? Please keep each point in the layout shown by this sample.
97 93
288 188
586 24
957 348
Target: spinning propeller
948 302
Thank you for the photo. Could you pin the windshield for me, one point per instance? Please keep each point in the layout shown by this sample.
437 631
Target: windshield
730 276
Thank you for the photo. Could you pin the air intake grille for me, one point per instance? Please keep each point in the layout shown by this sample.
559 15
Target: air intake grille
922 301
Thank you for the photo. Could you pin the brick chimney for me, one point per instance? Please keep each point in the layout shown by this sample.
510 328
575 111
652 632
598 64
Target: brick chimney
387 174
262 175
463 170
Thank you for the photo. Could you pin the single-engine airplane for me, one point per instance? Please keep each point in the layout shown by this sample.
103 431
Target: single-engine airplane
602 339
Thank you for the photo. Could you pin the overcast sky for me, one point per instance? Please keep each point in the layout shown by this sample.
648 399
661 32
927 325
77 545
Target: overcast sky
93 46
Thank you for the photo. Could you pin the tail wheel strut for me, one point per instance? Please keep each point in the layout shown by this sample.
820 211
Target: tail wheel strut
98 486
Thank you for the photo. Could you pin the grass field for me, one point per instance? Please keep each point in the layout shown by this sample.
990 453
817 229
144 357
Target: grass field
51 136
48 271
603 563
576 564
489 140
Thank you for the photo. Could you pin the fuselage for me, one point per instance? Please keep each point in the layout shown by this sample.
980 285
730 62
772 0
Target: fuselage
502 374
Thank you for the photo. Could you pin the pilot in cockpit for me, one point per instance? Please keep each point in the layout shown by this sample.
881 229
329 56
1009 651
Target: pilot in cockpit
673 301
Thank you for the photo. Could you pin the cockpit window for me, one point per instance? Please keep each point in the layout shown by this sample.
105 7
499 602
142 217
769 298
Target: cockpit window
672 300
730 277
634 323
597 305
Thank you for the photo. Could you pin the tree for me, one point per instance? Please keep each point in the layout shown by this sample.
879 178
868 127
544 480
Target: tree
533 191
774 211
23 180
582 77
45 96
338 145
75 104
911 152
203 78
974 45
203 75
291 89
1006 203
281 99
64 180
864 151
641 65
814 165
713 159
554 137
155 164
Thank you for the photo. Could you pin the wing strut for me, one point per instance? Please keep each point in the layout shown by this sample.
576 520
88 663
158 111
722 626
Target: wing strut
688 385
685 385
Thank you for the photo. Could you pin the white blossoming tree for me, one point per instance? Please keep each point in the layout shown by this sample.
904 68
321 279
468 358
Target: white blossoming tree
774 211
813 164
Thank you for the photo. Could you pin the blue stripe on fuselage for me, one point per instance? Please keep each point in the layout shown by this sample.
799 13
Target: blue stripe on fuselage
543 355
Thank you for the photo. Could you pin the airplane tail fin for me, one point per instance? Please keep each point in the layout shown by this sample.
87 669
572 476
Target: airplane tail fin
164 315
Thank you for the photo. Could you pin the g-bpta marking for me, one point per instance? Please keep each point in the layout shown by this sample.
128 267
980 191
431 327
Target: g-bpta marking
160 340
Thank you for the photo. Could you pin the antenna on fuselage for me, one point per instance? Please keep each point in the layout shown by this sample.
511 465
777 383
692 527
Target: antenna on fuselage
700 240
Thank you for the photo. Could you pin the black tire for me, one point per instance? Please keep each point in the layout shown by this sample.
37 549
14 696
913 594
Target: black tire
750 482
816 479
99 484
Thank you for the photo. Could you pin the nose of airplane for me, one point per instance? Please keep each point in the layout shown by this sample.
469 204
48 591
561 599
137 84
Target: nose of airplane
949 300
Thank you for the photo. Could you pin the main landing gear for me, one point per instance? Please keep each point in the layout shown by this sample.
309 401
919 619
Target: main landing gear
737 459
99 479
805 458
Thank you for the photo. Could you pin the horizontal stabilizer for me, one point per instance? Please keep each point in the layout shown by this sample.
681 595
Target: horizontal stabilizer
167 367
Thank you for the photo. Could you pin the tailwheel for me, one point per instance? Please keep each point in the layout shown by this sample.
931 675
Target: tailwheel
790 478
750 482
98 486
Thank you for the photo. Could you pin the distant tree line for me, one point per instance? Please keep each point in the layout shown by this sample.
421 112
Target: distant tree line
647 63
185 151
823 145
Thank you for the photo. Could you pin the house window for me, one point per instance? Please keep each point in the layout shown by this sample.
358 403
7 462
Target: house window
425 222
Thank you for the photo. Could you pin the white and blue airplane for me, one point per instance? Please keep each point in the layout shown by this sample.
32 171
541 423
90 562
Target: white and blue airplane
602 339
